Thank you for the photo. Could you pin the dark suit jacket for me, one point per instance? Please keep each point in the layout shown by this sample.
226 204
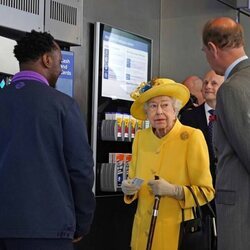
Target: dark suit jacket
232 141
46 164
197 118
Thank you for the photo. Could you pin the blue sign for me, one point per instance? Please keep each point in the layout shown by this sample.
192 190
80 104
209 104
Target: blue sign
67 65
66 79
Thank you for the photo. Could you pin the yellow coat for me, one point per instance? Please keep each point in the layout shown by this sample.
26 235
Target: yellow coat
180 157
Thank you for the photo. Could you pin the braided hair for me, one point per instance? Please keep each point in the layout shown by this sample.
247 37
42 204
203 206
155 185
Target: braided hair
33 45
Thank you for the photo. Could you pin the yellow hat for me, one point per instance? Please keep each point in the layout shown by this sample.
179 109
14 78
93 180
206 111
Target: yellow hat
156 87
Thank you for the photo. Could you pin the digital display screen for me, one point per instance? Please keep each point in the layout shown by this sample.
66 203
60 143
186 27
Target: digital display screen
125 62
2 83
5 80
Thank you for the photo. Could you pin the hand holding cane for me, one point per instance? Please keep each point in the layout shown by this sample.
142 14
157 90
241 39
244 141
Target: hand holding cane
162 188
153 219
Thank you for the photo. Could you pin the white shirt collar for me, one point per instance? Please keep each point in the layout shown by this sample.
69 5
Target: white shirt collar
229 69
207 108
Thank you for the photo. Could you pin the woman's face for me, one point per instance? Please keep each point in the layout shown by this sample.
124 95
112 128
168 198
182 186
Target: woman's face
161 114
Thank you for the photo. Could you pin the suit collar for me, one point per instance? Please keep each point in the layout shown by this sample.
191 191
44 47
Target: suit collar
241 65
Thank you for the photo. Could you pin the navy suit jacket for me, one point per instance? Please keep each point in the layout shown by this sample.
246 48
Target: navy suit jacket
197 118
46 164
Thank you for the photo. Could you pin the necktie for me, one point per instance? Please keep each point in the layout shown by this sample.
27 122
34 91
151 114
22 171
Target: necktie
212 118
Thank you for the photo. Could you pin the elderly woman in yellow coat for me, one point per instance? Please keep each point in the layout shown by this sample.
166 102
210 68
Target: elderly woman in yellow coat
176 153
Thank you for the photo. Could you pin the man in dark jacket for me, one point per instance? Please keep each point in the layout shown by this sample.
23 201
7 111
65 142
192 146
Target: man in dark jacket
46 163
200 117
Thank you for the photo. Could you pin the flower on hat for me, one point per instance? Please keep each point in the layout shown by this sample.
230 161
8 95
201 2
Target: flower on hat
143 87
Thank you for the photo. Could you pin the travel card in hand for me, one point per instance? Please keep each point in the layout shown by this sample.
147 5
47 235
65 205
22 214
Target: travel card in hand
137 182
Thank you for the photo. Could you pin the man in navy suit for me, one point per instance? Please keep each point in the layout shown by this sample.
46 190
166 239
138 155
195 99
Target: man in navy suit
46 163
199 116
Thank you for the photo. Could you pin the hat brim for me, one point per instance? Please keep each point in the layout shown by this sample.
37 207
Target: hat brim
176 90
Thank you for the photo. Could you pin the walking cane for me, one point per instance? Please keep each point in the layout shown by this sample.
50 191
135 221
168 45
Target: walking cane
153 219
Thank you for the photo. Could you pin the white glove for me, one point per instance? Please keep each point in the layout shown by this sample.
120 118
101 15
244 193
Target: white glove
163 188
128 188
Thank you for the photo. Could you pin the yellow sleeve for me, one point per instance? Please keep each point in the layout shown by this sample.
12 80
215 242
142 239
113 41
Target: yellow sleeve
132 168
132 164
198 170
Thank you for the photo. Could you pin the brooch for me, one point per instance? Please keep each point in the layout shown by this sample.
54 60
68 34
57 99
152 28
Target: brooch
184 135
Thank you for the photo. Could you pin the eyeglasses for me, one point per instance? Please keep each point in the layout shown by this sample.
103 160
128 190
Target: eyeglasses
152 107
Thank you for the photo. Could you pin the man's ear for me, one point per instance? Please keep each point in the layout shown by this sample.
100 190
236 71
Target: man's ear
213 49
46 59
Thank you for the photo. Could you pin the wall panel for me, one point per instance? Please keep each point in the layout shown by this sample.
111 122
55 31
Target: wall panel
181 42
